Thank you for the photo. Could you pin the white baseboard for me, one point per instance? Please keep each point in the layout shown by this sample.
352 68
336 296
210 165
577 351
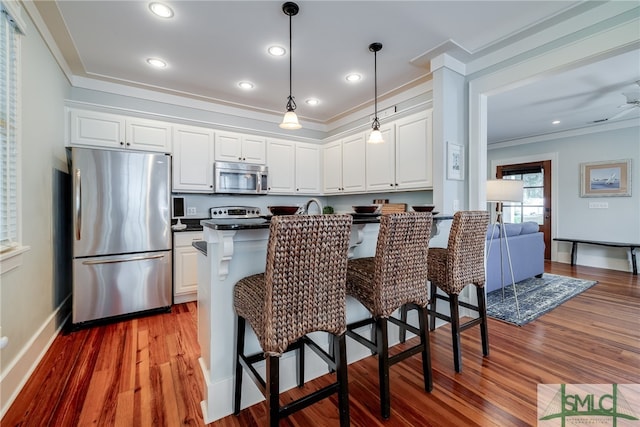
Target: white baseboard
16 374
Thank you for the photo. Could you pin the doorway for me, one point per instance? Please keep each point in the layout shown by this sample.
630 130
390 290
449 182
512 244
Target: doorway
536 202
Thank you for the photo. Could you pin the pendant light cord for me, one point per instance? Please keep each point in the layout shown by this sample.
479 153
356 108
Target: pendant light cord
291 104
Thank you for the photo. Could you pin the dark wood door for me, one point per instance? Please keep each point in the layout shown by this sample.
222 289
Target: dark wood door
536 204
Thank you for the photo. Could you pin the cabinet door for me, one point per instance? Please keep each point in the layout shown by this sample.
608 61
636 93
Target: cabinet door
185 267
96 129
307 168
332 167
354 164
380 161
281 164
228 147
254 149
192 160
414 152
148 135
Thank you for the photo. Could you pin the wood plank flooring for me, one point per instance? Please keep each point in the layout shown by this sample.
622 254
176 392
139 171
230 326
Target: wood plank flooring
145 371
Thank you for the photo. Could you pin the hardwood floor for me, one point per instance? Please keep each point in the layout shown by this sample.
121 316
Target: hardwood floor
145 372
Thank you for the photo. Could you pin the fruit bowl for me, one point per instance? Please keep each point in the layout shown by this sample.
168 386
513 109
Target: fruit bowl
366 209
283 210
423 208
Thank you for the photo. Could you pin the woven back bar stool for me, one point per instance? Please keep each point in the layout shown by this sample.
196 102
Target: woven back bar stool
301 291
395 277
451 269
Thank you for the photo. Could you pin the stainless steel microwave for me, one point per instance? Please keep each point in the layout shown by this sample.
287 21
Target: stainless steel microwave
239 178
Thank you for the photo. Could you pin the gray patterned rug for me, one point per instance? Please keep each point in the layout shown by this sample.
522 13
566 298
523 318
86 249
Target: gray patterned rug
536 296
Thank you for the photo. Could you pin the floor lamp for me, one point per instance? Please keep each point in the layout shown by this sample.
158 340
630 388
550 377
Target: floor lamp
500 191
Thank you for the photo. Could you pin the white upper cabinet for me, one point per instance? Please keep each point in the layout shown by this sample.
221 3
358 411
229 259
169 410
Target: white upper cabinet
332 167
380 161
308 170
414 152
235 147
344 165
282 167
404 161
192 160
354 163
105 130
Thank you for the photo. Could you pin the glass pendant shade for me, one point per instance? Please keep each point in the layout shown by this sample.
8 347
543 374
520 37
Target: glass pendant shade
375 137
290 121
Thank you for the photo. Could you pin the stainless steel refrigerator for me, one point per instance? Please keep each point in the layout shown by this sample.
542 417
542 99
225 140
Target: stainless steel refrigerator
121 233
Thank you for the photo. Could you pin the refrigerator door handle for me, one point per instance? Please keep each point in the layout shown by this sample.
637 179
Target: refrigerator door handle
111 261
77 204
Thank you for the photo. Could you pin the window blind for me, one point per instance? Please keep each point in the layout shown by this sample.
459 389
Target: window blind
8 131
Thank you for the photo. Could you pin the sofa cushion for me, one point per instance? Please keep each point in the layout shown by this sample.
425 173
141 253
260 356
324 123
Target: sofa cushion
495 229
512 229
529 227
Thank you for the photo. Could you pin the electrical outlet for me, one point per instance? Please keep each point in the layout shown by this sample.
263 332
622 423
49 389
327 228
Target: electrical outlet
191 211
598 205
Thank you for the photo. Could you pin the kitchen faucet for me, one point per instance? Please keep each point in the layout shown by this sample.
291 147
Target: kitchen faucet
306 206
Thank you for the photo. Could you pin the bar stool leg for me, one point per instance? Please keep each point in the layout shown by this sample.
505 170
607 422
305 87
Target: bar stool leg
383 367
237 398
300 365
340 349
426 348
455 331
273 390
432 302
482 312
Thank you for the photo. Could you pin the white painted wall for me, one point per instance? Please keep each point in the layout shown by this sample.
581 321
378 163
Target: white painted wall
571 215
32 296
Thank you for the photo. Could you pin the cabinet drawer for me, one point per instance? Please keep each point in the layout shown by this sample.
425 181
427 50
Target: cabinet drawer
184 238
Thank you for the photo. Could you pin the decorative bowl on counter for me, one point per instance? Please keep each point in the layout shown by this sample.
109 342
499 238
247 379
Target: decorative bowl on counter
366 209
283 210
423 208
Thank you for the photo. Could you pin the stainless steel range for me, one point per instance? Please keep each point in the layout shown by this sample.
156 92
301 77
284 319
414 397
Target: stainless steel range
236 215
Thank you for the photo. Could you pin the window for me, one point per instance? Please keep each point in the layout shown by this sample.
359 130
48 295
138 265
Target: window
9 131
532 206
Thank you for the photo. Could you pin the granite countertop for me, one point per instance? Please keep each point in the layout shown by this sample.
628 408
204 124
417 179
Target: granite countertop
263 222
191 224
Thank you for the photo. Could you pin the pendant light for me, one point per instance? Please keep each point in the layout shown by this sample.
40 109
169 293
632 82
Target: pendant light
376 136
290 120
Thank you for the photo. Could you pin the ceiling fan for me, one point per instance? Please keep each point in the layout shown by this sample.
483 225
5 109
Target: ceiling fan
633 103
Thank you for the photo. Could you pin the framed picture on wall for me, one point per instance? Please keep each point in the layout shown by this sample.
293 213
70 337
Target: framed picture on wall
455 161
611 178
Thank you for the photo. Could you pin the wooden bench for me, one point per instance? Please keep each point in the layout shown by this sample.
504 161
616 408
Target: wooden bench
574 248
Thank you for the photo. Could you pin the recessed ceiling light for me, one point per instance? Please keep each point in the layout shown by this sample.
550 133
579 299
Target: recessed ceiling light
245 85
555 122
312 101
276 50
353 77
155 62
161 10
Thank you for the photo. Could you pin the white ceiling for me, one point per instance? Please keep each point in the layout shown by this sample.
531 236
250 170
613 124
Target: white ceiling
212 45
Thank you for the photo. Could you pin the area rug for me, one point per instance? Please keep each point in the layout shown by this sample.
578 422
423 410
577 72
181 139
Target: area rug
536 296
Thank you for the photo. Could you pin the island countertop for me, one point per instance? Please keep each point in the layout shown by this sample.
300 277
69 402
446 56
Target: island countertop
264 221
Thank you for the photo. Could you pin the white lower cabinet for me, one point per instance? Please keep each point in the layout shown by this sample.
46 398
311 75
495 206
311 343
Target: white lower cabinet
185 266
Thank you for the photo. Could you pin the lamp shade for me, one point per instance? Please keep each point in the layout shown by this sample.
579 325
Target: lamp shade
504 190
375 137
290 121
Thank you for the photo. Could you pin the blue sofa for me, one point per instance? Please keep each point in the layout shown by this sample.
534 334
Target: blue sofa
526 245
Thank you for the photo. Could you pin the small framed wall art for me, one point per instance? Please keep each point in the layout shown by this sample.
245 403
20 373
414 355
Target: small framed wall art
455 161
611 178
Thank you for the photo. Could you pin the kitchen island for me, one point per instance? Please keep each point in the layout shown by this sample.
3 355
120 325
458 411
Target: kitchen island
233 250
